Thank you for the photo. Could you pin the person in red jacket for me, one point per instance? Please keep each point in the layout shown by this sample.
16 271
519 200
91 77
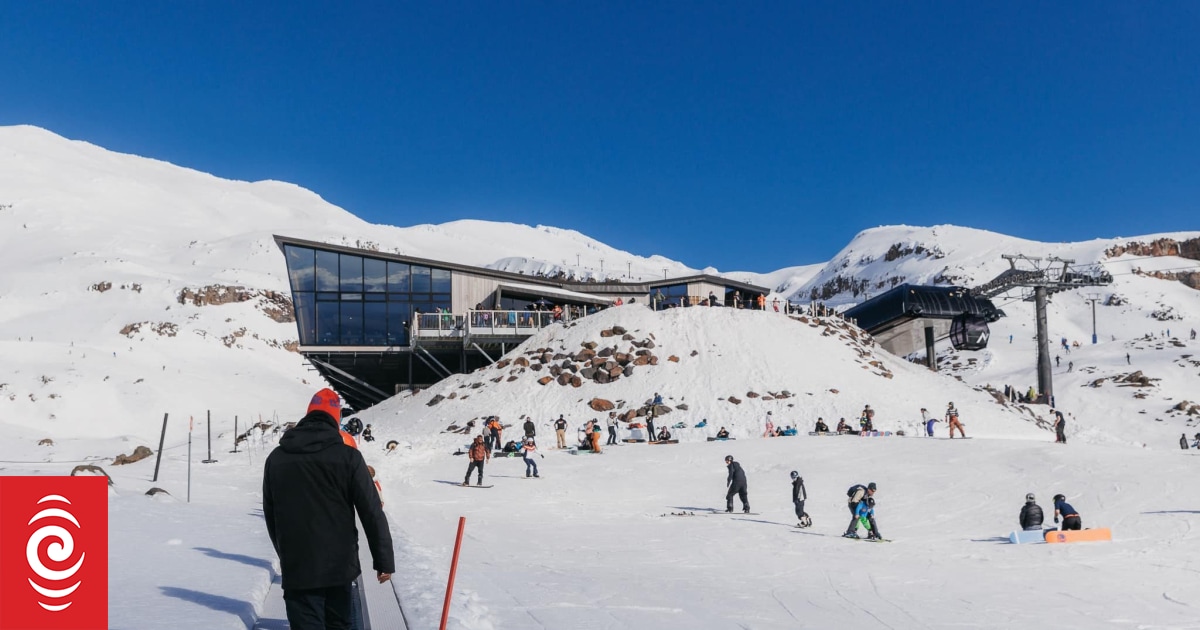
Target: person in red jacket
478 454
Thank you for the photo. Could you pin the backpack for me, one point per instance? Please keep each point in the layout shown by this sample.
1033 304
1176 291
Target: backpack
853 489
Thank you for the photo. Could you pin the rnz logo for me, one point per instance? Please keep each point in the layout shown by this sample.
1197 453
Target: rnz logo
58 526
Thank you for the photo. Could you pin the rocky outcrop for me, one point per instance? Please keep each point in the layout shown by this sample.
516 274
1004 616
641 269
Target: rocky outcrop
92 469
435 400
600 404
139 453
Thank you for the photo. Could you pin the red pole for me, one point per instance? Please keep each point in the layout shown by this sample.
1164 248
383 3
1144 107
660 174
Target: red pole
462 522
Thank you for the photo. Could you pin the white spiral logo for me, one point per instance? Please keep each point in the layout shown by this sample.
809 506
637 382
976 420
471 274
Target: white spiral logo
58 551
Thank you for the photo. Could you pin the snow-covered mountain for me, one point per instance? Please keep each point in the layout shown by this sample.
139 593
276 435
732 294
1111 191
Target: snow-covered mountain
133 287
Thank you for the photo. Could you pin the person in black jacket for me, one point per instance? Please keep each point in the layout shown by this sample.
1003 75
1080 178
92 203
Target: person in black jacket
736 483
312 486
855 495
1031 514
799 496
530 429
1060 428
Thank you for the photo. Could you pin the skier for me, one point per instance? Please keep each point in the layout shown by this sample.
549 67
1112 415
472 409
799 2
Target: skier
1070 366
865 513
1060 428
1031 514
952 420
367 437
722 434
929 422
1127 361
612 428
821 426
799 496
857 494
560 431
1183 442
530 429
1070 518
529 449
1057 361
736 484
478 454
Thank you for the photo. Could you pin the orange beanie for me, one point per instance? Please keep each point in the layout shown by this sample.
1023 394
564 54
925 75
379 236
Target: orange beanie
327 400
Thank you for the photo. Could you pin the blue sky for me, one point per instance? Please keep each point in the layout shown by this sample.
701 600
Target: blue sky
747 136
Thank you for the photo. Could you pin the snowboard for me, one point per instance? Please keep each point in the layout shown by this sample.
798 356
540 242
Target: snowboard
632 440
666 442
717 439
1080 535
1021 537
474 486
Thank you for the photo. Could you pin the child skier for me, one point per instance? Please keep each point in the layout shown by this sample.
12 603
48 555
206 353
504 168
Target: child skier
866 518
856 495
529 449
799 496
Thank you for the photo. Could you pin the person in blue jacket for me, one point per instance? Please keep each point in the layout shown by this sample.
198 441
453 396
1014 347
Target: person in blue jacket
866 517
1070 518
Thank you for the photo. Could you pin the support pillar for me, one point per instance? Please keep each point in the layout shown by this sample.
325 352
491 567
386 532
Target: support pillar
1045 382
930 351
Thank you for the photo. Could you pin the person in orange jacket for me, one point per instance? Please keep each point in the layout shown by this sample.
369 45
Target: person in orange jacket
478 454
378 488
595 435
761 300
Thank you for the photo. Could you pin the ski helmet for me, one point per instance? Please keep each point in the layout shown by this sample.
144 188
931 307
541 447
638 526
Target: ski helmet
728 458
795 475
1059 497
871 486
1029 498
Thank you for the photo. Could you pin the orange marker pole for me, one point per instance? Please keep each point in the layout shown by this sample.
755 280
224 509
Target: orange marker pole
462 522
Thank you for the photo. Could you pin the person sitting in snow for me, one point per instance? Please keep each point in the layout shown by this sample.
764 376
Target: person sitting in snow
821 426
510 447
722 434
703 423
664 434
367 437
1031 514
842 427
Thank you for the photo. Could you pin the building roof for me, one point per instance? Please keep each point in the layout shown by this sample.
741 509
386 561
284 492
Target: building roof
544 291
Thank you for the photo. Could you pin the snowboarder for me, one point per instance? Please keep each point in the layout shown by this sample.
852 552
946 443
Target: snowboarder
1070 518
612 428
856 495
560 431
821 426
664 434
770 429
799 496
735 484
929 422
530 429
367 437
1060 428
595 435
1031 514
1183 442
952 420
722 434
842 427
478 454
867 421
529 449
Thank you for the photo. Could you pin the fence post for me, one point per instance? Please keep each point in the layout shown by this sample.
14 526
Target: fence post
189 489
210 459
462 521
235 435
162 436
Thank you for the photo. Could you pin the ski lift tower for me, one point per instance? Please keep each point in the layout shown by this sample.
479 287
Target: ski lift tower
1039 278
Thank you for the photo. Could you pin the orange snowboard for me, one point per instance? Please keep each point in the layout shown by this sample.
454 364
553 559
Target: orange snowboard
1082 535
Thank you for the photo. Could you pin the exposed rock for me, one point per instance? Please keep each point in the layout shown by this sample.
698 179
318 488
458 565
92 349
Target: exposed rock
587 372
589 345
511 379
1182 406
751 395
618 330
642 353
545 379
558 356
648 344
653 360
576 381
605 352
536 367
600 404
642 360
100 287
564 378
833 391
607 332
682 406
601 376
629 416
735 400
555 370
546 357
627 337
584 356
139 453
628 371
153 491
694 353
476 385
615 371
503 363
435 400
90 468
46 442
673 359
660 410
521 361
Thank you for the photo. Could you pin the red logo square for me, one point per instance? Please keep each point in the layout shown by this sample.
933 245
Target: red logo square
54 550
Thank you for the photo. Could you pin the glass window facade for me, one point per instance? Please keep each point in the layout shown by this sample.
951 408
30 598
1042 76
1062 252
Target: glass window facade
351 300
670 295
